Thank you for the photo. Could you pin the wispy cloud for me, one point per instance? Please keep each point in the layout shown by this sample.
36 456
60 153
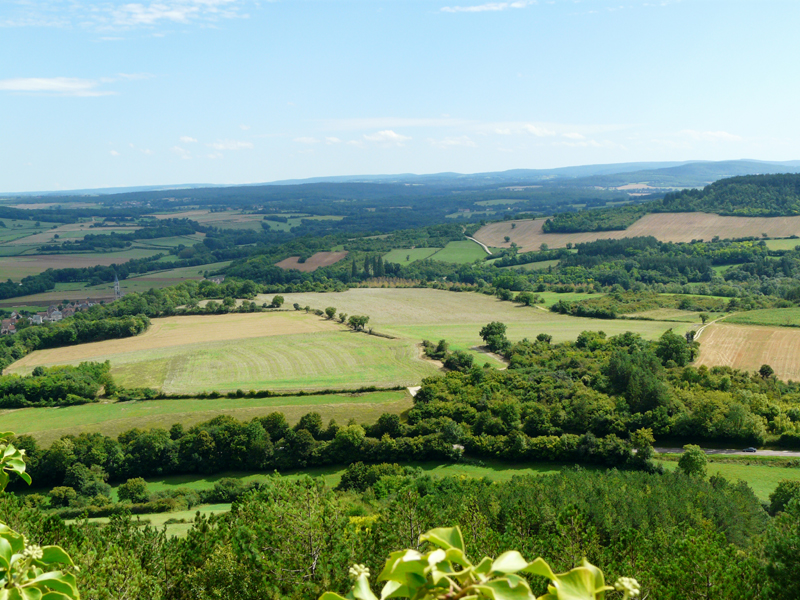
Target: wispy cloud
231 145
184 154
710 136
306 140
188 140
387 136
113 153
450 142
488 7
116 14
63 86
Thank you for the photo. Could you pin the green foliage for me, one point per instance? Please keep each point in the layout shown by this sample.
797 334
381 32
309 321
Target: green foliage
608 219
787 490
445 572
693 461
134 489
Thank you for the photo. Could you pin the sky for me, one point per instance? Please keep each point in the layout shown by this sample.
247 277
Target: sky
113 93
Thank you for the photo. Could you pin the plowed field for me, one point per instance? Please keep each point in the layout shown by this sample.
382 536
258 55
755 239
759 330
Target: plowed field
320 259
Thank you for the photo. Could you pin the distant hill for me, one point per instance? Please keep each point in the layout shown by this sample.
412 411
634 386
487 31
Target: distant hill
663 175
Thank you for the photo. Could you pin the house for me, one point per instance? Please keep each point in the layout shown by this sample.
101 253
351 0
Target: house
38 318
7 327
56 315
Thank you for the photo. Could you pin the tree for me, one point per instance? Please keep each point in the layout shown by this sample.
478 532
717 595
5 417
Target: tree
62 495
693 461
458 361
297 306
342 317
783 558
766 371
358 322
704 317
330 312
277 302
786 491
134 490
526 298
673 347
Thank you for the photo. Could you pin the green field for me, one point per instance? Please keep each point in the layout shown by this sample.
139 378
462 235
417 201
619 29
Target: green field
785 244
774 317
460 252
417 314
405 256
500 201
112 418
535 266
762 479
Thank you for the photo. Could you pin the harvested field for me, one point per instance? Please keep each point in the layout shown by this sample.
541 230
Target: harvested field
667 227
278 350
17 267
748 347
416 314
320 259
772 317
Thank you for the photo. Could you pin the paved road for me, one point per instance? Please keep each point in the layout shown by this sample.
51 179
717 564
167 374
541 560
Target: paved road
481 244
783 453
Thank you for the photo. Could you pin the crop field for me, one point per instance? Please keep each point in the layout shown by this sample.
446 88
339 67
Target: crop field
748 347
17 267
112 418
785 244
500 202
774 317
171 242
667 227
405 256
542 265
314 262
69 231
460 252
417 314
280 351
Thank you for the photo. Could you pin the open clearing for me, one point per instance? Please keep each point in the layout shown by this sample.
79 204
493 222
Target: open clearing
775 317
48 424
405 256
416 314
763 479
748 347
280 351
667 227
320 259
17 267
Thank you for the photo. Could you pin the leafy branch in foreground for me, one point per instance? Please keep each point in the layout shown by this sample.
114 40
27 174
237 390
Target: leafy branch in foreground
24 573
445 573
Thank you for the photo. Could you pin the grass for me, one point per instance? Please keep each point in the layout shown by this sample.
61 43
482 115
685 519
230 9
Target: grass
417 314
17 267
673 314
405 256
460 252
275 350
776 317
785 244
535 266
500 201
48 424
762 479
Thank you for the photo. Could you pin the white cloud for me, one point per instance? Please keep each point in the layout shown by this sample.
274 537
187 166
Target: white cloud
574 136
231 145
450 142
63 86
710 136
537 131
114 153
215 155
244 127
306 140
488 7
387 136
381 123
184 154
188 140
332 140
146 151
117 14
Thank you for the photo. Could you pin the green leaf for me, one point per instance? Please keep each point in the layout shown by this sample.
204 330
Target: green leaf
395 589
57 581
484 567
55 554
540 567
55 596
578 584
5 553
401 564
361 589
445 537
457 556
31 594
325 596
507 589
435 557
509 562
599 580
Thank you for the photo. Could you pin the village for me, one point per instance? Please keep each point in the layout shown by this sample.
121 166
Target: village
53 314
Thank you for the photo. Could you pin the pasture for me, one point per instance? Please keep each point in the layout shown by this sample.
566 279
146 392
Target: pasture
462 252
405 256
773 317
17 267
417 314
320 259
784 244
667 227
748 347
274 350
112 418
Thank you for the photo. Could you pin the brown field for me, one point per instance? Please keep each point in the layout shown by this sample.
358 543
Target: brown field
320 259
17 267
667 227
748 347
180 331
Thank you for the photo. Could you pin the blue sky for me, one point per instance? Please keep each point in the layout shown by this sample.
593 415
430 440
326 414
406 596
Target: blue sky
112 93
